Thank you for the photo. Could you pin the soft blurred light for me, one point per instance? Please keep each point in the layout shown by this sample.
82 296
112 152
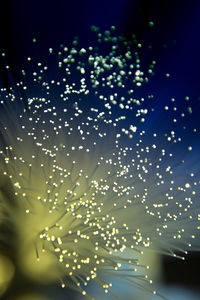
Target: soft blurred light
7 271
30 297
44 269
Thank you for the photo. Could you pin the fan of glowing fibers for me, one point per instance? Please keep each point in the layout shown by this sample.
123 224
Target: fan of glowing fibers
95 180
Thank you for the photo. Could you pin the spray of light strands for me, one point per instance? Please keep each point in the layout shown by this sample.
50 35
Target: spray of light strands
95 178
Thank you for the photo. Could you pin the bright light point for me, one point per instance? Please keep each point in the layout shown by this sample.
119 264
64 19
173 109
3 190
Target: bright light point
187 185
151 24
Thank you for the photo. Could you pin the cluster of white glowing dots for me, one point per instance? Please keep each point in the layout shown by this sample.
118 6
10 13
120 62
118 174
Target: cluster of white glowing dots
105 185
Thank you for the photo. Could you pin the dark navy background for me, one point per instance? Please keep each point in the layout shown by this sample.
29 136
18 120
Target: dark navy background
177 25
55 22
